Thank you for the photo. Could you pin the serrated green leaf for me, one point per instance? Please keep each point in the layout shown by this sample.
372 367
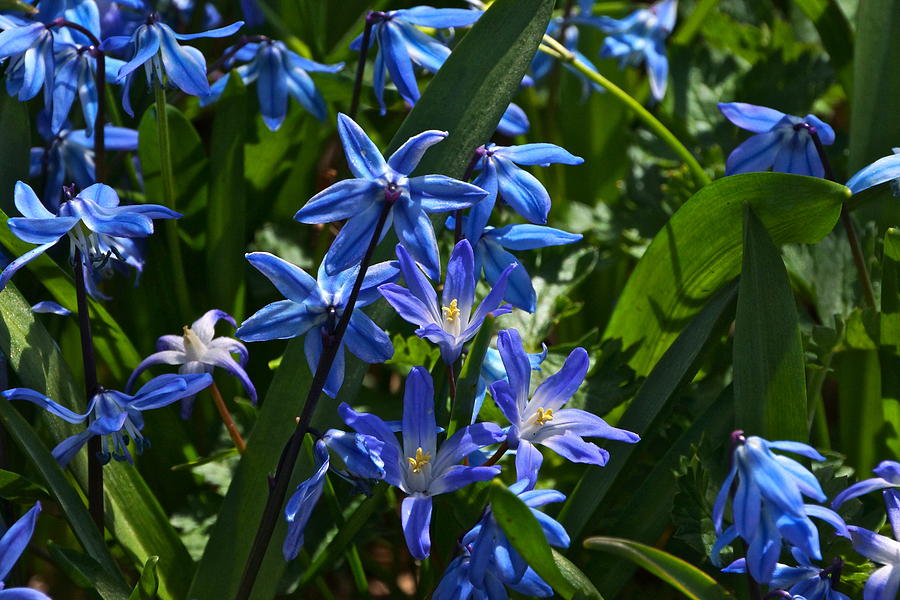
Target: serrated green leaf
525 535
699 250
148 584
769 364
677 366
684 577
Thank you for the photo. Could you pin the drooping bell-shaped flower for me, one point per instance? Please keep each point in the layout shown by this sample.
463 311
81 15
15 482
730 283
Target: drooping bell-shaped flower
451 322
29 47
75 78
113 415
418 466
782 142
540 418
386 185
198 350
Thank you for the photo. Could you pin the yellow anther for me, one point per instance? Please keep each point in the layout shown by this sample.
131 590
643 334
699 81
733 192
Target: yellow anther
421 459
543 416
451 313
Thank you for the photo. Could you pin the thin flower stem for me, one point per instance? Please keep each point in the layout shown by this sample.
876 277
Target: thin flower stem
278 484
497 455
168 177
451 380
91 387
561 52
859 259
226 418
361 64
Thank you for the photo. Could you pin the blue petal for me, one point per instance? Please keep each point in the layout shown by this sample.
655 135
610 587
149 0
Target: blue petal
185 67
542 154
459 283
657 68
271 86
758 119
505 399
522 191
756 154
439 18
796 448
572 447
722 498
514 121
439 193
41 231
798 155
419 426
823 129
47 306
19 39
16 538
293 282
339 201
212 33
162 391
587 424
858 489
349 247
491 302
363 157
415 516
464 442
519 291
881 171
762 553
367 340
312 346
416 233
147 42
518 368
20 262
300 506
44 402
478 217
301 87
459 476
409 307
423 49
417 283
556 390
531 237
278 321
398 62
407 156
359 452
528 462
66 450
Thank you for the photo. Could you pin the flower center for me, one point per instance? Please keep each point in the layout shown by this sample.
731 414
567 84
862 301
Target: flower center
193 345
421 459
543 416
451 313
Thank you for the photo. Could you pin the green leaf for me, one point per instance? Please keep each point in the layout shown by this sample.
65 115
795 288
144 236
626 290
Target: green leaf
858 374
583 586
684 577
769 366
836 34
876 87
19 6
699 250
16 487
15 151
226 212
889 352
148 583
461 413
133 516
676 367
467 98
526 536
87 573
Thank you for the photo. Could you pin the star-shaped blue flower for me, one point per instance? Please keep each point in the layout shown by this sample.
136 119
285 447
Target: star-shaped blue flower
278 73
92 220
540 418
401 45
449 323
417 466
314 307
806 580
782 142
155 47
114 415
378 183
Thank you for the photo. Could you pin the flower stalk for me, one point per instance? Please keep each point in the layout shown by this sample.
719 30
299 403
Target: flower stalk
371 17
278 484
227 419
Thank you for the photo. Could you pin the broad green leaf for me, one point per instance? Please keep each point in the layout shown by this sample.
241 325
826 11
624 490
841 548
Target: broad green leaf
16 487
677 366
17 5
467 98
133 516
148 584
889 352
699 250
684 577
582 584
226 212
16 147
87 573
769 365
524 532
861 422
875 106
836 34
461 413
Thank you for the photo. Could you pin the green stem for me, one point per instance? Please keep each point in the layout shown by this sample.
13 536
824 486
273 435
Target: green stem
554 48
352 553
817 419
171 226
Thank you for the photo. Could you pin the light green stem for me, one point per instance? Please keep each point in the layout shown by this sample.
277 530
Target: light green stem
171 226
554 48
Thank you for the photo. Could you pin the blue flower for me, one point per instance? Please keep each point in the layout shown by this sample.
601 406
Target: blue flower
805 581
92 220
155 47
541 419
449 323
881 171
768 504
278 73
501 175
314 308
455 585
418 467
782 142
884 583
29 46
12 544
888 479
70 154
401 45
197 350
361 457
640 37
514 121
379 182
568 35
114 415
492 370
50 307
83 12
75 76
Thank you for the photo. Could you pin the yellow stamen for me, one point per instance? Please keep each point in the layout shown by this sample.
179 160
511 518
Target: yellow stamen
451 312
543 416
421 459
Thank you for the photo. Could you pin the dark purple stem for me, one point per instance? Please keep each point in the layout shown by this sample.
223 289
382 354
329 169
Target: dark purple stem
372 17
278 484
247 39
